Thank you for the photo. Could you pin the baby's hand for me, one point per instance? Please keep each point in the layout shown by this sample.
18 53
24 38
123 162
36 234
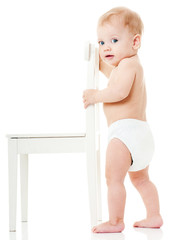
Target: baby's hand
89 97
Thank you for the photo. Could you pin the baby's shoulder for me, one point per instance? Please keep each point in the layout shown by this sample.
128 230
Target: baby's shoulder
130 65
131 62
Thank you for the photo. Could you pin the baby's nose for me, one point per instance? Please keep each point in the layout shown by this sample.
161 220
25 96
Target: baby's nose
107 47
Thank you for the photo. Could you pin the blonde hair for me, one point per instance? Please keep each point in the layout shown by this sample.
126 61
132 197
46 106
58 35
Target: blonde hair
128 17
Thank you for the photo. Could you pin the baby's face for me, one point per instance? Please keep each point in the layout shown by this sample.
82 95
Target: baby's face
115 43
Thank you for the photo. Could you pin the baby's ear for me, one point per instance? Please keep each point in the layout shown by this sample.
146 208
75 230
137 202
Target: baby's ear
136 41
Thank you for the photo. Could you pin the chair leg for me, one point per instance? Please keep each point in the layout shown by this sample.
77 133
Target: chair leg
12 167
99 210
24 186
92 185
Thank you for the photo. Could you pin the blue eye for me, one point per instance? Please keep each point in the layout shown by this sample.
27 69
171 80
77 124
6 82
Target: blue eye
101 42
114 40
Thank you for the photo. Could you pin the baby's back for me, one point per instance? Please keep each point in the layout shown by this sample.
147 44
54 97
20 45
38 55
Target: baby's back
134 105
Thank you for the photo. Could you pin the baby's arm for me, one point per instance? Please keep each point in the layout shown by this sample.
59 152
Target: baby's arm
120 83
119 87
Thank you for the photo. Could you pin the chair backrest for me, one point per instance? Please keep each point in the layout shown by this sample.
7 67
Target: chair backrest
92 112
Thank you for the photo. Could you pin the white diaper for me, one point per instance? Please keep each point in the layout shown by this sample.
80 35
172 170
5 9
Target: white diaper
137 136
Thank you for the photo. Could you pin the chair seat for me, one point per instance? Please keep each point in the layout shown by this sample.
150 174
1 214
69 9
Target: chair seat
48 143
51 135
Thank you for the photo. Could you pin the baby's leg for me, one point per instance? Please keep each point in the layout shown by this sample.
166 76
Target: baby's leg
118 161
149 194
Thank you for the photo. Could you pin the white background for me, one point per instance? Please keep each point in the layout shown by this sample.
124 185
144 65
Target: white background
42 76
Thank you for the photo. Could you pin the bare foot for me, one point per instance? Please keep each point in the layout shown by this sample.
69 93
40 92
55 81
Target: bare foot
107 227
152 222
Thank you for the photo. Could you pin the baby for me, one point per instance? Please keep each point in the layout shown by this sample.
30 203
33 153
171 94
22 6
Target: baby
130 146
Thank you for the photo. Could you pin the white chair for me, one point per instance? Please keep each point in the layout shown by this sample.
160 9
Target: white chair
88 142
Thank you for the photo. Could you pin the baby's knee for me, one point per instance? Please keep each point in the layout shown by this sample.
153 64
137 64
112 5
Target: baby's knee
139 181
109 178
112 178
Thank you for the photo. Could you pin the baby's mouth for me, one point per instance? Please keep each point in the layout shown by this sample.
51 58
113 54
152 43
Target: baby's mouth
109 56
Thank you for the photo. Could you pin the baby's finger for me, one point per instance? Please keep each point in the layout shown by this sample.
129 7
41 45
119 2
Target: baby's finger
86 105
84 99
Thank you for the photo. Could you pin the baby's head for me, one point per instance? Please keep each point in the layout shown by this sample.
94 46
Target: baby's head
119 34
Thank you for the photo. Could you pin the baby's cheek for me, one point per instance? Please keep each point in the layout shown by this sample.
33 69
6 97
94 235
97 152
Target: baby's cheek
101 53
